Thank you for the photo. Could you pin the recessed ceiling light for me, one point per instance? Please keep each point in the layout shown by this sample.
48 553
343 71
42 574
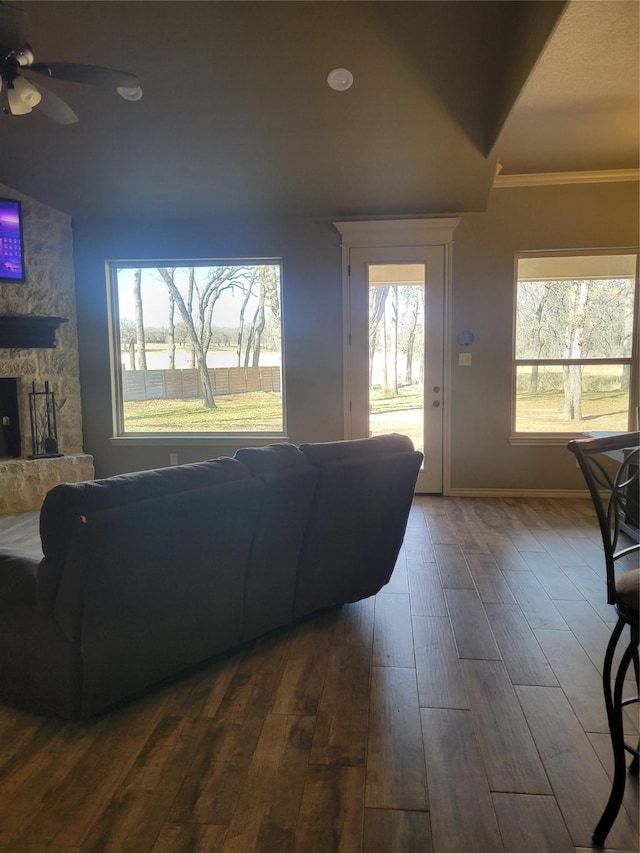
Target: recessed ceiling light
340 79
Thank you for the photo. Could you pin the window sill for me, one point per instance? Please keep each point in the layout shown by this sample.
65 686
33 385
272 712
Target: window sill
560 439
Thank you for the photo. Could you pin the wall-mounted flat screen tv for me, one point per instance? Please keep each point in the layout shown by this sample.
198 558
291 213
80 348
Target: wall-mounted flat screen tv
11 241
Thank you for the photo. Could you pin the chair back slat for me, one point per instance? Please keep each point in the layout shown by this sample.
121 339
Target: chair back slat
610 466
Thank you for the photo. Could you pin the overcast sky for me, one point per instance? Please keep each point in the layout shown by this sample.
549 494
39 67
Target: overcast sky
155 298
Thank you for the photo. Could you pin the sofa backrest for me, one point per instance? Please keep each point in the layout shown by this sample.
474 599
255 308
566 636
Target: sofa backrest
273 459
156 586
65 504
358 518
323 453
289 485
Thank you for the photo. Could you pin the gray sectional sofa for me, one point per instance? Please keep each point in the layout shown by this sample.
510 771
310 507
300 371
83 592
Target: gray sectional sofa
148 574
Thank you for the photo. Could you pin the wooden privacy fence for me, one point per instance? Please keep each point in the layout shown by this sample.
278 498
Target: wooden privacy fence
177 384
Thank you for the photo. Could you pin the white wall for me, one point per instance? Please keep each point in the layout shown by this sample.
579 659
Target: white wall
518 219
561 217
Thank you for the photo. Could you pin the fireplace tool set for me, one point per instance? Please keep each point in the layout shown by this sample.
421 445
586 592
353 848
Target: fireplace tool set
44 431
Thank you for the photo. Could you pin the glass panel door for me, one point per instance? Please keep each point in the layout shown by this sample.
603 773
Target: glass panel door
395 352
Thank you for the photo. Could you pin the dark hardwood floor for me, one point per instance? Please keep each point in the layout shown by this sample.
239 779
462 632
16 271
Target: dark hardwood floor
459 710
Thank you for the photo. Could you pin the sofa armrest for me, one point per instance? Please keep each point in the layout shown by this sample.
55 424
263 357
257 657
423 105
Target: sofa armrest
18 571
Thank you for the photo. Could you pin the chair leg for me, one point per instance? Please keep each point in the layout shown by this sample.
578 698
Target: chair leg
633 767
613 702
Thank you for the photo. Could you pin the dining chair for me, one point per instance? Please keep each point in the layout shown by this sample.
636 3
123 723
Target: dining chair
609 465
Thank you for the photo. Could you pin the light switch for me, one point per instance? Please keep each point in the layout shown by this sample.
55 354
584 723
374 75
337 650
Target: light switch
464 359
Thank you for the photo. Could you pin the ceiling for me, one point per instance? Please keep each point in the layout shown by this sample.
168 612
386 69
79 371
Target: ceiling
580 109
237 118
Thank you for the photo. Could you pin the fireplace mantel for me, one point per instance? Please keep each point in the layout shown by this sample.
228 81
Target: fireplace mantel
27 331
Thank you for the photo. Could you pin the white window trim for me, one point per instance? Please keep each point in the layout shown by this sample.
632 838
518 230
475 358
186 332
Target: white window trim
177 440
561 438
386 233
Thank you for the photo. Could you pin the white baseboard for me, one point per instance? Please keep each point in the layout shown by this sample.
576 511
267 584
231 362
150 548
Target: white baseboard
517 493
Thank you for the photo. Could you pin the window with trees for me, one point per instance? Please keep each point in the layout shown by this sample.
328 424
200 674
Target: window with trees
197 347
576 349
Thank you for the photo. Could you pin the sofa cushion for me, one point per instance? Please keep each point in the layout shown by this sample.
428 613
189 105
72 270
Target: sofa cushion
18 571
333 451
155 587
66 503
628 588
271 459
41 670
289 485
357 521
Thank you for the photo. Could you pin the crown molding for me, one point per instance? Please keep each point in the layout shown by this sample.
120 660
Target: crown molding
548 179
397 232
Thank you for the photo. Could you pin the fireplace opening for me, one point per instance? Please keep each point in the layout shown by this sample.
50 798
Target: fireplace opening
9 419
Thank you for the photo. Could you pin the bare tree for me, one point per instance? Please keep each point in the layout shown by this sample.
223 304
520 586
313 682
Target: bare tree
575 320
385 354
194 292
140 341
394 338
536 330
196 310
171 337
180 334
608 325
377 300
128 340
192 278
267 293
127 332
573 372
248 292
412 294
257 327
196 342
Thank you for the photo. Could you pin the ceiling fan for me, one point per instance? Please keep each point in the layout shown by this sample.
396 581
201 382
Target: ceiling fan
18 95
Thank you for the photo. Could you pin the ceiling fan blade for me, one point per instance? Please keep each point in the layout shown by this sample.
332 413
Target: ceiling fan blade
92 75
55 108
13 27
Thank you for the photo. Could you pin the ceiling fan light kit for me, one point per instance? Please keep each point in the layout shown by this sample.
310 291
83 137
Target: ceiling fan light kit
22 96
25 57
19 95
129 93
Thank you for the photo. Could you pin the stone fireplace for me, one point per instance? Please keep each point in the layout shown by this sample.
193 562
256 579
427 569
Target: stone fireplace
10 444
49 292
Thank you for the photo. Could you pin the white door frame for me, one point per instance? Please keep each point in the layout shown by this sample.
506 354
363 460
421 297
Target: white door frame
400 232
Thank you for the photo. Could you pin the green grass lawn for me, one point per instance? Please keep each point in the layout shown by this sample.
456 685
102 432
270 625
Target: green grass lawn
409 397
544 412
262 412
257 411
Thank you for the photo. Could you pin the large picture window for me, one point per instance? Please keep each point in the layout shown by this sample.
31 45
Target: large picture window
197 347
576 351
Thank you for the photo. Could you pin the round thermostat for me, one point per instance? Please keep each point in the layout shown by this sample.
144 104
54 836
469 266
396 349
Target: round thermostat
465 338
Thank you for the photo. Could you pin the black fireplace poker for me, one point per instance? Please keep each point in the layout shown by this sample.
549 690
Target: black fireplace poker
44 430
